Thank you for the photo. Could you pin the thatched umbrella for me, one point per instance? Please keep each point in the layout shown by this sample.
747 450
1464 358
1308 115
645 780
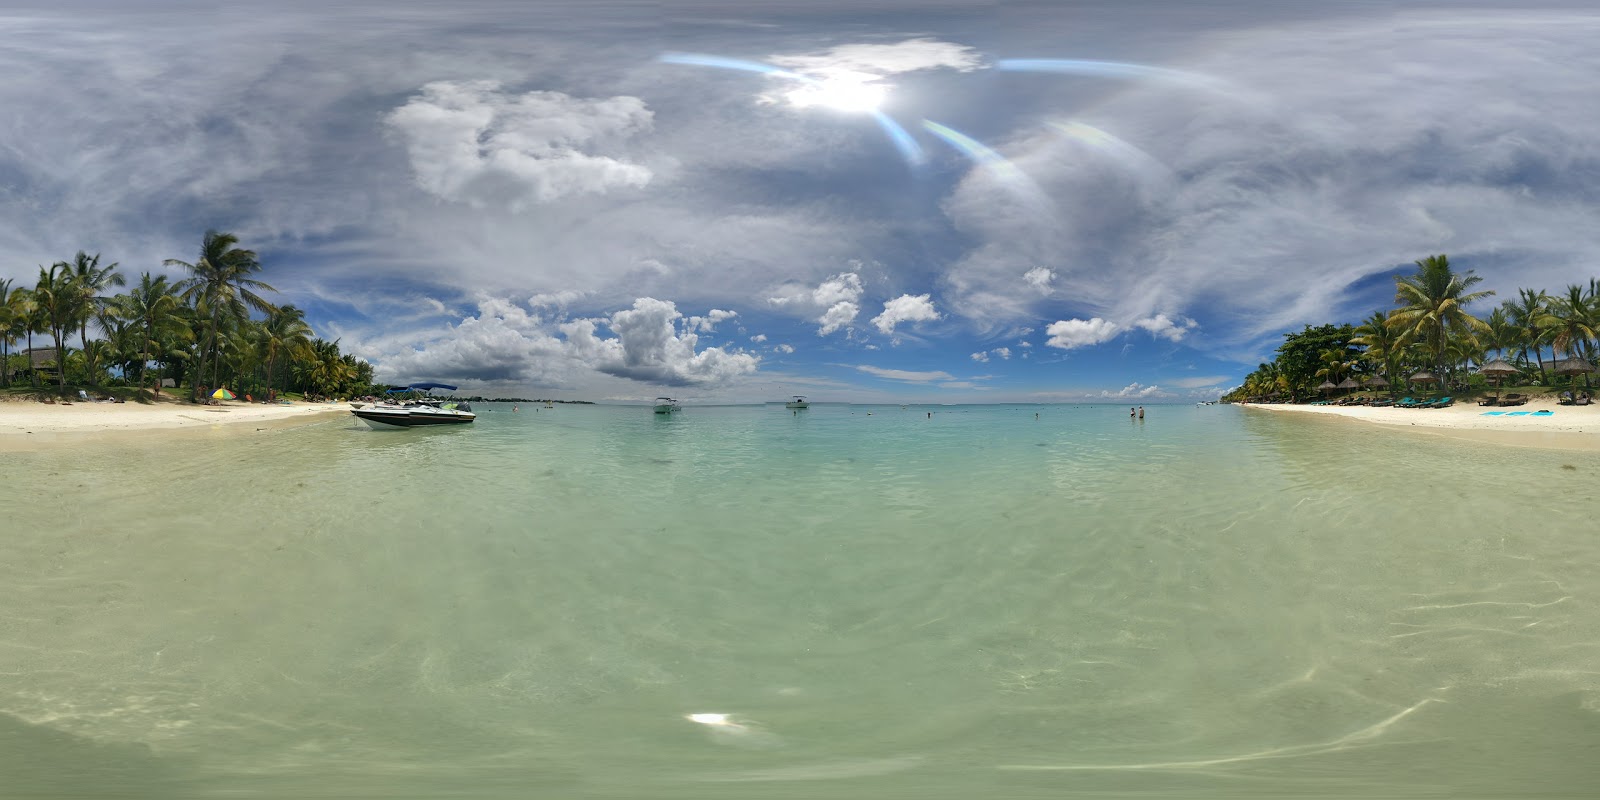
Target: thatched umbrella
1326 386
1349 383
1424 377
1573 367
1377 382
1497 370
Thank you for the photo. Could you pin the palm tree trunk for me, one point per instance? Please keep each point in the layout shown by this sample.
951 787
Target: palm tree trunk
33 371
88 361
61 361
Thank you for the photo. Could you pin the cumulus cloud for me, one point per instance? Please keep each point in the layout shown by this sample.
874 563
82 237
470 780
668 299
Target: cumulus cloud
838 299
905 308
708 323
907 376
760 337
1136 391
1068 334
650 348
474 143
652 343
1003 353
785 349
1163 327
1040 278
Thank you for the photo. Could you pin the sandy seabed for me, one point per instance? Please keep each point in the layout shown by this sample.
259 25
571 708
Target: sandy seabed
1566 427
28 425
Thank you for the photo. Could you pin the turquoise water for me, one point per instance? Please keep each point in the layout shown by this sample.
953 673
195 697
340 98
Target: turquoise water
1213 602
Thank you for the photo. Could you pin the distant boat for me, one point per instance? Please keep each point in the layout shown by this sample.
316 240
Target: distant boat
797 402
665 405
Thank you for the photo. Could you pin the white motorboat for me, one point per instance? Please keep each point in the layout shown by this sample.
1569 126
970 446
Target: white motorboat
797 402
387 417
665 405
415 414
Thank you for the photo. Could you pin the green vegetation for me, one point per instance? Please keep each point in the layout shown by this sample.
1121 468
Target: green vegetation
1430 331
214 328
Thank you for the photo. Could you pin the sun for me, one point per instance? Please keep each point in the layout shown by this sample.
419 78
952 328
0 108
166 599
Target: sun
857 92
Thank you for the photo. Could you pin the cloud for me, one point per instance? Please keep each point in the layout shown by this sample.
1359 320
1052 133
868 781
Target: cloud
961 385
1073 333
472 142
911 55
1137 391
785 349
907 375
1039 278
1210 381
505 343
1003 352
838 298
708 323
758 338
905 308
560 299
1163 327
980 356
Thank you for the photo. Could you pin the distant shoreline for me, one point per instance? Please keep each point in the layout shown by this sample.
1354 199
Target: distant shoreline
1566 428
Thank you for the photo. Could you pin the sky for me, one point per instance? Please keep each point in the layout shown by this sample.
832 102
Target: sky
866 201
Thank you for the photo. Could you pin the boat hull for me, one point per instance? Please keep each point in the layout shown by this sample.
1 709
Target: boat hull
390 420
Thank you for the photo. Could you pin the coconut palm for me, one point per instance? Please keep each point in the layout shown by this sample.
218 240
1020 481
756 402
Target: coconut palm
284 332
1384 345
1525 312
9 327
57 300
1573 321
91 281
154 308
1432 307
220 287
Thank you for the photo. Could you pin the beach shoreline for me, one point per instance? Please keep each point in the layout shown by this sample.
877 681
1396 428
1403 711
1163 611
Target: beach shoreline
34 425
1566 428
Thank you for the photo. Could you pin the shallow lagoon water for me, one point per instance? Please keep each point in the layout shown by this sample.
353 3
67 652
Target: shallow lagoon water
849 602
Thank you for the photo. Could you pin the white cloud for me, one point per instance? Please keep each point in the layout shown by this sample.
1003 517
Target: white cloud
504 343
708 323
560 299
472 142
838 298
982 356
760 337
911 55
1163 327
1136 391
1003 353
961 385
905 308
907 376
1068 334
1040 278
784 349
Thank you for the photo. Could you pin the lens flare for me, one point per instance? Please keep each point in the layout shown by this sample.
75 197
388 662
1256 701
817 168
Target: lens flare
856 92
1137 161
980 153
1111 69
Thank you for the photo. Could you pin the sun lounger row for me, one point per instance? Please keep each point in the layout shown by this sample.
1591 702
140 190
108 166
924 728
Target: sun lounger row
1505 400
1443 402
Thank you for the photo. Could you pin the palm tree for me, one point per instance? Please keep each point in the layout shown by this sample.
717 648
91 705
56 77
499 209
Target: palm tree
1525 312
57 300
9 315
1432 307
1384 346
284 332
1573 321
220 286
154 308
91 280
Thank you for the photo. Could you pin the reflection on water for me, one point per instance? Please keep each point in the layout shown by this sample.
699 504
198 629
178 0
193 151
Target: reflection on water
857 602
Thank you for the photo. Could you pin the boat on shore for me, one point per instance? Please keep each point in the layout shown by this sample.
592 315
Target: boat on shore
666 405
799 401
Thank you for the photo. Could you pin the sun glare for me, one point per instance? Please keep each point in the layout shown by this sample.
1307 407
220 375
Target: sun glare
851 91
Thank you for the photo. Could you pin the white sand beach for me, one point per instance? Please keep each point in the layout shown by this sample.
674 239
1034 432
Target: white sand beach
1565 427
26 424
